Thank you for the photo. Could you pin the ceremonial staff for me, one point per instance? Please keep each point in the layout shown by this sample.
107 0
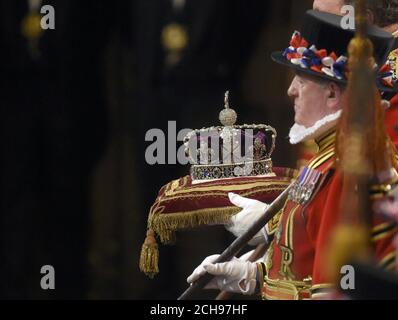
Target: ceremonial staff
240 242
362 149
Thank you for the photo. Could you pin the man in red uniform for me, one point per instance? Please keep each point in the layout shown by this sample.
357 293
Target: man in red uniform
384 14
293 268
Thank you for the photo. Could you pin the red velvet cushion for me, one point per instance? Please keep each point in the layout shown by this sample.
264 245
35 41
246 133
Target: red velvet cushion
182 205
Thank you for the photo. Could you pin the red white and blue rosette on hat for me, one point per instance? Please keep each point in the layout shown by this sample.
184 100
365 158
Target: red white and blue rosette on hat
319 62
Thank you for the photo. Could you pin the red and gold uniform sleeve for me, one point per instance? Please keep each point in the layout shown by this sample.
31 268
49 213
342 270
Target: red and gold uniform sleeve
391 120
383 234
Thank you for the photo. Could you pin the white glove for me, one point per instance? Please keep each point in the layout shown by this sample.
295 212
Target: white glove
252 210
233 276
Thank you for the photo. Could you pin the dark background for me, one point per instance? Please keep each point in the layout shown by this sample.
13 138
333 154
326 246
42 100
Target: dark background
75 188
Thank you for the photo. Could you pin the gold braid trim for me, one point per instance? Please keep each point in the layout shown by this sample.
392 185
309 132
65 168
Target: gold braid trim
384 235
273 224
391 266
380 227
222 189
320 291
261 272
326 141
383 230
318 161
387 260
281 289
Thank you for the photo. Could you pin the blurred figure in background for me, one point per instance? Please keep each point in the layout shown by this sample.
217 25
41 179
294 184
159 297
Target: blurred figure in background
384 14
53 131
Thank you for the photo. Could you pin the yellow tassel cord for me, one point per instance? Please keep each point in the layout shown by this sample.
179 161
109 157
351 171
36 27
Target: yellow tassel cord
149 259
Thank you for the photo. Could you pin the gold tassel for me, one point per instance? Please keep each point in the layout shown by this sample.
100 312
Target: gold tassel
149 259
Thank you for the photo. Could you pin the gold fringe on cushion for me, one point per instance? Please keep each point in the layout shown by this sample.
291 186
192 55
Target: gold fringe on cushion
149 259
165 225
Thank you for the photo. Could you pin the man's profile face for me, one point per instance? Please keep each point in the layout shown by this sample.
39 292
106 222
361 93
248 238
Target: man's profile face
310 100
331 6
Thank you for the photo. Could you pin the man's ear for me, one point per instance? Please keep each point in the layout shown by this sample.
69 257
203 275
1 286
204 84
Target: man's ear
335 96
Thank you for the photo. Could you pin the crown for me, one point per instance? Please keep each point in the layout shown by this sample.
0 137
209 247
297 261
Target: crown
230 150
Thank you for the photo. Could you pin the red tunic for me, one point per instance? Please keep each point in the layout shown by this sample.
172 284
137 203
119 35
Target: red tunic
391 120
295 259
391 114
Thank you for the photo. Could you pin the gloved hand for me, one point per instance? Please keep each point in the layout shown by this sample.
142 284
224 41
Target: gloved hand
252 210
233 276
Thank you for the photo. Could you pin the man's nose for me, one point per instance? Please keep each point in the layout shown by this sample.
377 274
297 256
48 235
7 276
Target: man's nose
292 91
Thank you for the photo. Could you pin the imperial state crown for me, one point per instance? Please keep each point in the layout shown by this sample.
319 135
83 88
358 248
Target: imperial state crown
230 150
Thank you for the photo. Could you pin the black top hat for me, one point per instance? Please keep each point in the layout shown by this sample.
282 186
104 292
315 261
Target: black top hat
321 49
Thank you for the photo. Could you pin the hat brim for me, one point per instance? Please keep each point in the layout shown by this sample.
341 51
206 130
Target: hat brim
279 58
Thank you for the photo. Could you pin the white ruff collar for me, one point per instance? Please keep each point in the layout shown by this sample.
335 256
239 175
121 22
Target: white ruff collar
299 133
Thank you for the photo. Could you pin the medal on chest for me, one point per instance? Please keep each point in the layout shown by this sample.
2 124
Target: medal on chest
304 187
